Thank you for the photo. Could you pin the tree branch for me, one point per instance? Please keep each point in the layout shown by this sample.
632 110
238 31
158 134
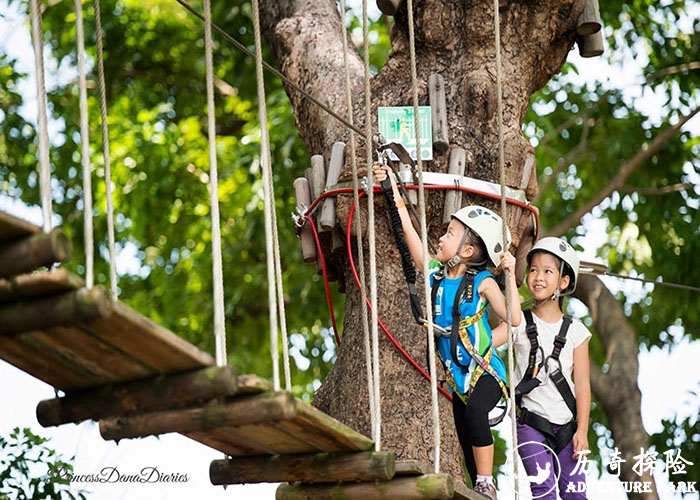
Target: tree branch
626 169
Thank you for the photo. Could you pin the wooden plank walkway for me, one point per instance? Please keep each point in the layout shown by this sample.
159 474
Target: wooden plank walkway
138 379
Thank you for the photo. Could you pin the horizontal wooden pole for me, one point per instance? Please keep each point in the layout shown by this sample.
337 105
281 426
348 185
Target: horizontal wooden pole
74 307
153 394
38 284
311 468
239 411
433 486
28 253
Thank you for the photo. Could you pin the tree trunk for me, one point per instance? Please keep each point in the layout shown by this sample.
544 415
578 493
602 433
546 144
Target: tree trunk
457 41
615 387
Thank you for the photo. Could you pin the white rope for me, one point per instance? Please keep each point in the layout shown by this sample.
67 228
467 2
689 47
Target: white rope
377 419
424 240
358 225
217 266
274 268
42 119
502 170
105 154
85 149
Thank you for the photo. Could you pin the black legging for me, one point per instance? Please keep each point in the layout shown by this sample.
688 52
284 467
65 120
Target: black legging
472 419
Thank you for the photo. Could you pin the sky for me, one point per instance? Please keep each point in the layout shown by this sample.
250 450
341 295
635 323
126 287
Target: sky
176 454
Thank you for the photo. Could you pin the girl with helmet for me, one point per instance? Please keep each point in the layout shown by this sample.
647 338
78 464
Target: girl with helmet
462 288
549 348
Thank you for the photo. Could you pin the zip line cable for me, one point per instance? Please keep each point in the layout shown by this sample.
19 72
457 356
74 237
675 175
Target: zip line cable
435 411
217 265
502 172
88 231
376 435
358 227
273 70
105 153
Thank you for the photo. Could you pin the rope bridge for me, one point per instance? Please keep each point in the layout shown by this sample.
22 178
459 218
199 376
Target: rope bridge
138 379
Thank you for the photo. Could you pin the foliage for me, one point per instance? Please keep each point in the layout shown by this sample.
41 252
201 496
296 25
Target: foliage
30 469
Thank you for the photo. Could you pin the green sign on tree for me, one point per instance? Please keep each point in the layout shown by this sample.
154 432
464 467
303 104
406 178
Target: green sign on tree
397 124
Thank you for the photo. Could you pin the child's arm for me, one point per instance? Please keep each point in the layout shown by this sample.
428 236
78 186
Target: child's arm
500 334
413 240
582 384
490 291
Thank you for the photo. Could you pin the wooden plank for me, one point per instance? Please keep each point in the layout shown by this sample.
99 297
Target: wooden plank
152 394
148 342
311 468
12 227
236 412
224 441
252 384
108 364
41 364
66 308
431 486
412 468
269 439
39 249
323 431
38 284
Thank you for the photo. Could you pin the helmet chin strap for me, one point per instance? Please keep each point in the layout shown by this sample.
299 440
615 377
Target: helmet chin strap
455 260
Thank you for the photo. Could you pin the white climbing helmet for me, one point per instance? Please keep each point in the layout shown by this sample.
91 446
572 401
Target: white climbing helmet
488 226
564 251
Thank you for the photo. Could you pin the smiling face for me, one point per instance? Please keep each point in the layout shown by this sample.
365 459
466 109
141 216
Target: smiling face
543 276
448 244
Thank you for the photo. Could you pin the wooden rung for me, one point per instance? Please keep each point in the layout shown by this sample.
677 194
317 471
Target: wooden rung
412 468
38 284
12 227
239 411
37 250
432 486
66 308
312 468
153 394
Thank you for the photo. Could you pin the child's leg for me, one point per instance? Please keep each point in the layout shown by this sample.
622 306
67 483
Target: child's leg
569 484
482 400
540 466
465 441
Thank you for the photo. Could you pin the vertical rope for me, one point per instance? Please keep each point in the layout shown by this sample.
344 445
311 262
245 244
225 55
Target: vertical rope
377 427
274 268
358 222
85 149
217 266
42 119
105 153
502 170
424 241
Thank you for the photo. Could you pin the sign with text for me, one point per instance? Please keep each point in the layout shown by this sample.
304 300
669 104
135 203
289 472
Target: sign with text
398 124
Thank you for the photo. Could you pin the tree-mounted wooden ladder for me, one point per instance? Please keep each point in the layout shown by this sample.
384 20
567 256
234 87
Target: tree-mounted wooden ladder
137 379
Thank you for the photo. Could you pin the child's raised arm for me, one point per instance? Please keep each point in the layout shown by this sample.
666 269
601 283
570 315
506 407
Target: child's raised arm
413 240
490 291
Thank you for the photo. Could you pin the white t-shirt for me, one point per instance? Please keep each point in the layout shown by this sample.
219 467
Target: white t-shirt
545 400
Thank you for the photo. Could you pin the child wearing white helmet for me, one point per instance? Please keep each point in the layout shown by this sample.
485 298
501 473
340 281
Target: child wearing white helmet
462 288
550 347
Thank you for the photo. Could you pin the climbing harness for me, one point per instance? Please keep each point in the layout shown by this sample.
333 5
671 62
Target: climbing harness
558 439
459 334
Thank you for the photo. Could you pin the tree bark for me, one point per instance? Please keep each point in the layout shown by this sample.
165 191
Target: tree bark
615 384
455 40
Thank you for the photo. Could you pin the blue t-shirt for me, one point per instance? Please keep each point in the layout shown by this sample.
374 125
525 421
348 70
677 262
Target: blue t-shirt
479 333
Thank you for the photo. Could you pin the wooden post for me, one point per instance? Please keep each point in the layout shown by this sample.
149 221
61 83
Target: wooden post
153 394
37 250
433 486
453 197
326 219
306 234
318 176
591 45
589 20
389 7
308 468
245 410
74 307
38 284
438 110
